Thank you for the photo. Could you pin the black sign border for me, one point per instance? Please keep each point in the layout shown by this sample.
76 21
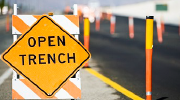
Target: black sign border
45 16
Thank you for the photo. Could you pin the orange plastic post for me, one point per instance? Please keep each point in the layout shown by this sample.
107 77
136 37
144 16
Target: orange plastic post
7 23
131 27
86 37
162 26
112 24
149 50
159 32
148 74
97 23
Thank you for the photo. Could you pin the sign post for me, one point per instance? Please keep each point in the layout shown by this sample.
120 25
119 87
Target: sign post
15 36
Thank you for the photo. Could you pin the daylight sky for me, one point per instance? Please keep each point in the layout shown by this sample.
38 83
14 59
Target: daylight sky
56 5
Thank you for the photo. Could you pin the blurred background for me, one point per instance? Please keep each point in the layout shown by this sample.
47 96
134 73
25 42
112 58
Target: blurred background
117 39
137 8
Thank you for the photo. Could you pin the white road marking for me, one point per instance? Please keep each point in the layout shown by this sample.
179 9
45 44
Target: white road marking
5 75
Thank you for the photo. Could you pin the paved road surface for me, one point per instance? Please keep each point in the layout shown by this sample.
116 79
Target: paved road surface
5 42
123 59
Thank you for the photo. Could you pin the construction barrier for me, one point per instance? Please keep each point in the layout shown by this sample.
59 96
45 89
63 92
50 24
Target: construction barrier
86 36
23 88
112 24
149 50
131 27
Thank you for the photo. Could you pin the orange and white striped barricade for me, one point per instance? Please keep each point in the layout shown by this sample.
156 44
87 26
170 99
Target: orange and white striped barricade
112 24
23 88
131 27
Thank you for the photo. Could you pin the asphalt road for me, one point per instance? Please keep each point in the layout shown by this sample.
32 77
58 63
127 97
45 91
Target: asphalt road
5 42
123 59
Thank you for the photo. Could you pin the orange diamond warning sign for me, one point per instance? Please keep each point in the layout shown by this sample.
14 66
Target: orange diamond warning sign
47 55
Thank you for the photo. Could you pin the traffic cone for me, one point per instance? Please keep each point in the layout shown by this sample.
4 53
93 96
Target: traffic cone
131 27
159 31
112 24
